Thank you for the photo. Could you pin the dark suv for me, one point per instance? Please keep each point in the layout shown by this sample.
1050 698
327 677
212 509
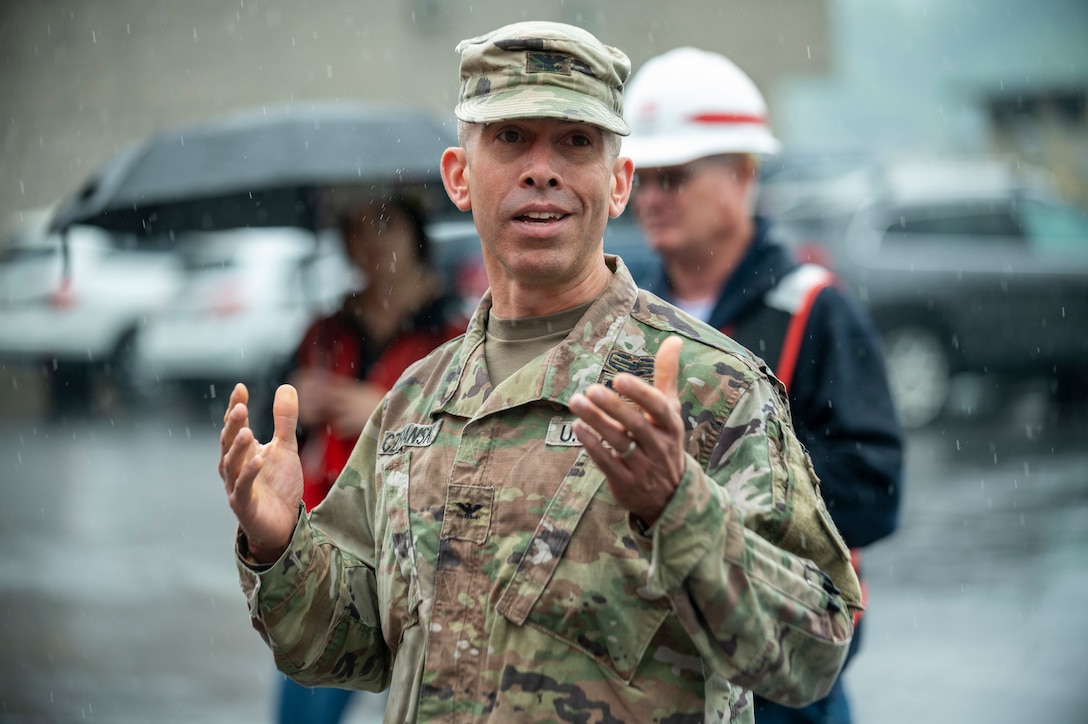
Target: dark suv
965 267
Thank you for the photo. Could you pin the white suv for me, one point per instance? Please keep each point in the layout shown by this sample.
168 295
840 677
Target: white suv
73 309
246 300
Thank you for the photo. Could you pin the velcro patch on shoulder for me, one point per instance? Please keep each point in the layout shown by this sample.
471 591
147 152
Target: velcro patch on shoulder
619 361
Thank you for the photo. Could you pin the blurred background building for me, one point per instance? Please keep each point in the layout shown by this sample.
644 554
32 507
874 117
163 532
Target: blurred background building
962 77
83 79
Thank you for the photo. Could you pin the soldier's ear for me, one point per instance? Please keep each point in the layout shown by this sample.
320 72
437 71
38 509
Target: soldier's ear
455 177
623 172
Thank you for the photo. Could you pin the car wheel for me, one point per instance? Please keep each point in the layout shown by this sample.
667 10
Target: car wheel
919 373
70 389
121 372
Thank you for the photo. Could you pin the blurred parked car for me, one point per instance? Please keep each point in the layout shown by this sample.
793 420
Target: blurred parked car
73 309
249 294
966 266
246 298
792 177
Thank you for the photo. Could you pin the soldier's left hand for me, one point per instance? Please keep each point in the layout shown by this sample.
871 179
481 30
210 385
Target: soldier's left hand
637 442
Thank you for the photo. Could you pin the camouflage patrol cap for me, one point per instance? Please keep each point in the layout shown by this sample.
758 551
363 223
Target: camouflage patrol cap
540 69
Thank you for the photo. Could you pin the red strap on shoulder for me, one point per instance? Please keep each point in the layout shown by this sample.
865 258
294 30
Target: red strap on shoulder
795 333
855 561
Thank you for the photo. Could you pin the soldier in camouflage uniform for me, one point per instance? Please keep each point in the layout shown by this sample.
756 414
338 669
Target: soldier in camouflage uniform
591 507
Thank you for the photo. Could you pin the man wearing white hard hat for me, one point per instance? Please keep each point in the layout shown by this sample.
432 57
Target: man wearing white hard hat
698 129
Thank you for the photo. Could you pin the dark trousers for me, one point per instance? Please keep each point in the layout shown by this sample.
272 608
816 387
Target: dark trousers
300 704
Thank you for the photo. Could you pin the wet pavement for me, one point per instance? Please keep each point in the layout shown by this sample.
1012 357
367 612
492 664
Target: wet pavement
120 602
976 603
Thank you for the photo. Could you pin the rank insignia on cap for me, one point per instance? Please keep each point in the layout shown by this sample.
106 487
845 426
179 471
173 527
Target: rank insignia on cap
539 62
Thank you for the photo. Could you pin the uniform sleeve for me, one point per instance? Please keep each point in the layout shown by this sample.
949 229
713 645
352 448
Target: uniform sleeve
753 567
317 606
845 417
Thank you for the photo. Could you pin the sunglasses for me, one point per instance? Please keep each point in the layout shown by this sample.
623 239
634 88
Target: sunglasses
671 179
666 179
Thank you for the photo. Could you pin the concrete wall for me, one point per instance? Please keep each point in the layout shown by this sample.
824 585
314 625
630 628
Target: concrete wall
80 79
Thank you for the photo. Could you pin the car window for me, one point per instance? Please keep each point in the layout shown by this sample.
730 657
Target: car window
967 224
1056 229
26 254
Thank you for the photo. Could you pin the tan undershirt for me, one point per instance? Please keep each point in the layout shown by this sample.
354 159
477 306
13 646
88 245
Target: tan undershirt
510 344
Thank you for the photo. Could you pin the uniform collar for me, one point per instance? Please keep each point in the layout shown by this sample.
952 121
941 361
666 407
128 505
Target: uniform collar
581 359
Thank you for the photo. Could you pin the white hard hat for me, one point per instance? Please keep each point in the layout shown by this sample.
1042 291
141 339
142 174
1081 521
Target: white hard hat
687 104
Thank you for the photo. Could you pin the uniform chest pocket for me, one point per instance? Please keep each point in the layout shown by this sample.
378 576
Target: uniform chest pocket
587 589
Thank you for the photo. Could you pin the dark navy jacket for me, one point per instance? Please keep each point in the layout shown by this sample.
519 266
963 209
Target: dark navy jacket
842 407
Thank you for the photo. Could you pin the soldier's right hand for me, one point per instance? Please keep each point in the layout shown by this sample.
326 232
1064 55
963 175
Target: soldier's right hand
263 482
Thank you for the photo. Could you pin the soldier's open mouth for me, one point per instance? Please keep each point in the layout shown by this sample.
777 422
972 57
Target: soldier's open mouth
541 218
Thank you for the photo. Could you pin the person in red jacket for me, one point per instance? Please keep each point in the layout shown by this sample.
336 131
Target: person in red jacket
348 360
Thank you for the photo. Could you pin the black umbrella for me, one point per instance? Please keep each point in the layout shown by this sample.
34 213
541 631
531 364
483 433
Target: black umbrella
259 168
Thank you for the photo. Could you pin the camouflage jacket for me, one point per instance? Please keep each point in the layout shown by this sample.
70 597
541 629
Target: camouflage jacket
472 557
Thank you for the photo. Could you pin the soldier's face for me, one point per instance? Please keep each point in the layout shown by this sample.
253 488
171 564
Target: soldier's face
540 192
